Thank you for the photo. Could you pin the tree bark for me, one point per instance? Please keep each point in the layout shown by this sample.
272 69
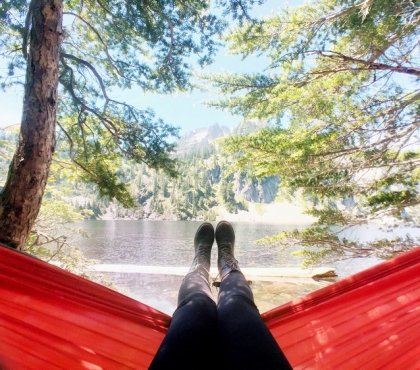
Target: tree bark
21 197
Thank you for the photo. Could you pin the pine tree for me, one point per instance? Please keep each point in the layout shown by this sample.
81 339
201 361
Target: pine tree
340 92
105 44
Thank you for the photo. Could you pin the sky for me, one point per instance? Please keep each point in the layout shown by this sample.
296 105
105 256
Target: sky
185 110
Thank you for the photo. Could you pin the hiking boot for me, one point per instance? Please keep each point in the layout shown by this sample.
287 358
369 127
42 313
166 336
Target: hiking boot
225 238
203 241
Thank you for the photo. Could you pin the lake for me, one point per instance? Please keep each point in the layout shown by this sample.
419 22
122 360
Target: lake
170 243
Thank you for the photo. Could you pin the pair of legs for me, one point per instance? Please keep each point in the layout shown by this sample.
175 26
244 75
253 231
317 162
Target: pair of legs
229 335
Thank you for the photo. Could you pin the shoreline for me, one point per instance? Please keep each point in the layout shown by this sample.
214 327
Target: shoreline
268 213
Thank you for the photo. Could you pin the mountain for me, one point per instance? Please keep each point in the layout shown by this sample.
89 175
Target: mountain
249 126
207 185
200 139
203 139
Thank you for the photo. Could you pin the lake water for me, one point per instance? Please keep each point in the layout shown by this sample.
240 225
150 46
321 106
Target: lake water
170 243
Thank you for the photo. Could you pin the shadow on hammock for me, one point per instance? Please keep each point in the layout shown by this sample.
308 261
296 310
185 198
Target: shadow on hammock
50 318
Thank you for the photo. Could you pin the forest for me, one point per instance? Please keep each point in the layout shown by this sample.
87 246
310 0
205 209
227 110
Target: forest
336 90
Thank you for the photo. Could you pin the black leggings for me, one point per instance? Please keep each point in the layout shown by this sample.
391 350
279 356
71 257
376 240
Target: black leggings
230 335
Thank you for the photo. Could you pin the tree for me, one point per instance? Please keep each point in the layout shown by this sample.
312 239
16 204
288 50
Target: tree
106 44
340 91
21 197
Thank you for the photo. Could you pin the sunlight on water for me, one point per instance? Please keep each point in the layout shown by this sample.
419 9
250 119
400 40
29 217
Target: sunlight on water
170 243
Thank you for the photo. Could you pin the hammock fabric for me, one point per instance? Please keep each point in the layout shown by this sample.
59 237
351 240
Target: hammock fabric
51 319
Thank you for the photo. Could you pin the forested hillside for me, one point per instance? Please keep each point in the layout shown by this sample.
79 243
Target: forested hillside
206 182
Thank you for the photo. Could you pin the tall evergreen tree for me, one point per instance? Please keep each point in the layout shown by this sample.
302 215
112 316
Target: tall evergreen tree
105 44
341 91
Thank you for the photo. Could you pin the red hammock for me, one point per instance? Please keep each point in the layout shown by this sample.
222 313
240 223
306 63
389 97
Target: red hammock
51 319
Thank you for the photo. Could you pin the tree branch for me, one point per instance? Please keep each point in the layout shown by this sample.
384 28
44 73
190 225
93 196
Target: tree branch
369 65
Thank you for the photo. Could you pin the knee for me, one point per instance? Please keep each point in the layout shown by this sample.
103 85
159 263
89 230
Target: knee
230 304
198 303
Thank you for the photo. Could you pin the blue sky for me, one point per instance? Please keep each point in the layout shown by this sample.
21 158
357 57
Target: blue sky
184 110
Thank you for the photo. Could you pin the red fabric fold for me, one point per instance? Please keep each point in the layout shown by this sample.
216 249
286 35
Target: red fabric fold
367 321
52 319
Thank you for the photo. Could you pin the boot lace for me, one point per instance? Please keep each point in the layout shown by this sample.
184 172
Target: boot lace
202 258
228 258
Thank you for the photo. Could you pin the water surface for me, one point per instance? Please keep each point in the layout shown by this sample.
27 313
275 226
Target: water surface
170 243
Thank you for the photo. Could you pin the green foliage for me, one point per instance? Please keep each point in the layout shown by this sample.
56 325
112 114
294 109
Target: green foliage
205 184
194 194
340 93
48 239
110 45
397 199
227 194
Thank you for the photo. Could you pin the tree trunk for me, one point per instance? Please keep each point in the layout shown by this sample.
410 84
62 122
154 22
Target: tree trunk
21 197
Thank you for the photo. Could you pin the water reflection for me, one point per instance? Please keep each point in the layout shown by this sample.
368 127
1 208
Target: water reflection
170 243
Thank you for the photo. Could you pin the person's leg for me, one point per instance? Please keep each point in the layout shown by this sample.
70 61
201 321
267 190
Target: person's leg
192 333
245 340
